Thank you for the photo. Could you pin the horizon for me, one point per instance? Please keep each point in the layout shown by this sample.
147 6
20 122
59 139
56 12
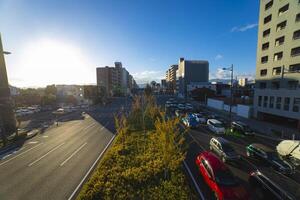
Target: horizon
67 41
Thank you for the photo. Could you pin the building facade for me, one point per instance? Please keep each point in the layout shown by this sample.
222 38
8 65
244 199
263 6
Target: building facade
171 78
115 80
190 71
277 91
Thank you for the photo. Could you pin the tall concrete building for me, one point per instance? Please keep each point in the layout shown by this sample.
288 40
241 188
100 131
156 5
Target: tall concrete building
115 79
277 91
7 117
171 78
191 71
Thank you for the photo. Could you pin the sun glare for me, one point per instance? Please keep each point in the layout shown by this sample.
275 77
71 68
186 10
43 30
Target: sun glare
49 61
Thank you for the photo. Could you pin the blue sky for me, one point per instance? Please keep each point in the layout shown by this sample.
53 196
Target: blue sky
146 36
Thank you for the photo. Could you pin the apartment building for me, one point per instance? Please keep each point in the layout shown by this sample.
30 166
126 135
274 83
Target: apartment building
115 79
191 72
171 78
277 90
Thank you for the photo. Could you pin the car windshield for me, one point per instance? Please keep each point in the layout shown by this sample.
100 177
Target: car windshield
218 125
225 178
273 156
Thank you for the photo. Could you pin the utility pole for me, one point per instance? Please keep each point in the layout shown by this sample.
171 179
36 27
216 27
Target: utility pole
231 94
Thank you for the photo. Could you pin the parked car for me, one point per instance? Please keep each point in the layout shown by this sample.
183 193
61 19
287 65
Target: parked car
268 155
200 118
241 128
191 122
219 178
267 184
215 126
290 150
223 149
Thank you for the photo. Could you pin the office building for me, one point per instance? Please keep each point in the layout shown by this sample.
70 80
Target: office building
191 71
277 91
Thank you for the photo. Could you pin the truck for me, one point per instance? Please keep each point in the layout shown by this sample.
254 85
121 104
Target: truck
290 150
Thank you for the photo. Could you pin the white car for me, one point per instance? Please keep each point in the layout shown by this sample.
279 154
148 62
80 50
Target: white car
201 119
215 126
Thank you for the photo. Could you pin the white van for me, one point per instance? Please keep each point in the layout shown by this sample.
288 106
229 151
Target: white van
215 126
290 149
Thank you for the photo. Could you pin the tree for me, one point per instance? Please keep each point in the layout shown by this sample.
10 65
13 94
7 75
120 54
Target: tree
50 89
201 94
49 99
70 99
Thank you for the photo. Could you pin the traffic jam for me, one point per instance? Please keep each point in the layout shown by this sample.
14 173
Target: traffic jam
231 161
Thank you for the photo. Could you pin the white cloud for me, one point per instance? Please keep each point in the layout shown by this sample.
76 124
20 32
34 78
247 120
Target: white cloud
243 28
218 57
225 74
148 76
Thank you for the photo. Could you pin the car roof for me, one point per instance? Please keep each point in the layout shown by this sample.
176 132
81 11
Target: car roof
221 140
215 163
286 184
215 121
262 147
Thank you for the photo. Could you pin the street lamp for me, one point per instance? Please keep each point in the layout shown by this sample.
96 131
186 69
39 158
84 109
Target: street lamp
231 90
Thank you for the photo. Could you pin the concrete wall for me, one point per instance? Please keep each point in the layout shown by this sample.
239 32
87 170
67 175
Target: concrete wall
240 110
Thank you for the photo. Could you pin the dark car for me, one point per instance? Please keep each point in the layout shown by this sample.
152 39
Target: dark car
223 149
268 155
241 128
266 184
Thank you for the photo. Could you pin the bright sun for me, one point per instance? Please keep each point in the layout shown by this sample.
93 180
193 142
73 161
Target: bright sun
49 61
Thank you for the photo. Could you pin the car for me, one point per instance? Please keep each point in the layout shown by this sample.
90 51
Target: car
267 184
269 156
200 118
223 149
215 126
181 106
191 122
219 178
290 151
241 128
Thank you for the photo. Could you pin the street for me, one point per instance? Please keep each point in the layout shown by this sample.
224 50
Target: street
53 164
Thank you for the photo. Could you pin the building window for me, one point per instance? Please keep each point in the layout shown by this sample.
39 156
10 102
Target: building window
263 72
275 85
297 18
276 71
296 105
259 101
269 5
265 101
264 59
279 41
296 35
262 85
283 9
278 103
281 26
267 19
265 46
271 102
293 85
294 68
266 33
295 51
278 56
286 105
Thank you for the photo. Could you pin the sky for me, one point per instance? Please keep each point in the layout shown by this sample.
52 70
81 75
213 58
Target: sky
63 41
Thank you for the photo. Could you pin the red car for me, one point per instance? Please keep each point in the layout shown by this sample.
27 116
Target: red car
219 178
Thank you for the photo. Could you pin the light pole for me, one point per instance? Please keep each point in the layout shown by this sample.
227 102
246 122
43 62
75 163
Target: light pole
231 90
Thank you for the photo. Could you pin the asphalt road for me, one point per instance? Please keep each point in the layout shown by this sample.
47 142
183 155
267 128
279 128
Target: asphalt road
51 165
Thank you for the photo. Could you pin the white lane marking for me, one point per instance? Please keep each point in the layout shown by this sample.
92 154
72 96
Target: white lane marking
20 154
73 154
91 168
89 126
37 160
45 136
194 181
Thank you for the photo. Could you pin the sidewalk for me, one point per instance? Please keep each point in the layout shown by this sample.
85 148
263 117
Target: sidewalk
270 130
